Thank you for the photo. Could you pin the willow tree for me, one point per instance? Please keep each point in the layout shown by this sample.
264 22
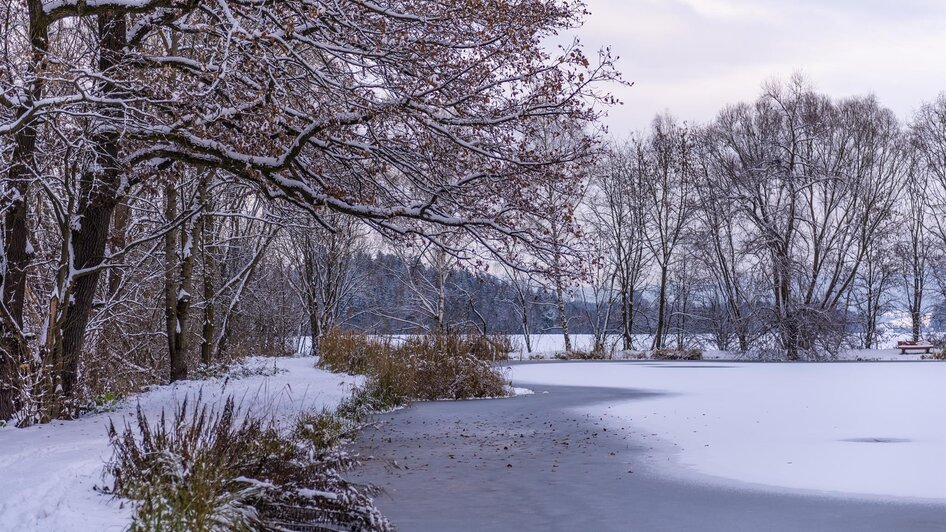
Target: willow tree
816 182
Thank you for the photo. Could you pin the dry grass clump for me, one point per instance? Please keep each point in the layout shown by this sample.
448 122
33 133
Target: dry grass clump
210 470
438 366
581 354
677 354
451 366
352 352
935 355
588 354
489 347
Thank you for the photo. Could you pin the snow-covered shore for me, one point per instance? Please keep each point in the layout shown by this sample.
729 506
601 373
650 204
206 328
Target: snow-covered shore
547 346
48 472
874 429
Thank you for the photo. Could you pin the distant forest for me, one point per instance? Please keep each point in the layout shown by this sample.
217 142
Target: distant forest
475 300
479 301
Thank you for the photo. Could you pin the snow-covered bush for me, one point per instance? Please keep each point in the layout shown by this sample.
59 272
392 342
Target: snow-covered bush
209 470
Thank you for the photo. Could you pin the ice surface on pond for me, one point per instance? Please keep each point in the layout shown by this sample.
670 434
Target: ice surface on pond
858 428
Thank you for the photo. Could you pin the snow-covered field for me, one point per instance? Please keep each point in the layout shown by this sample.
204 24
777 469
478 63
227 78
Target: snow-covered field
47 472
874 429
547 345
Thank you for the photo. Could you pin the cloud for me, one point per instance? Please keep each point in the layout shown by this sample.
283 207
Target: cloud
692 57
731 10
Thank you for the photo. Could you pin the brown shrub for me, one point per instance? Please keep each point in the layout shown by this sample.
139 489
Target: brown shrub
351 352
677 354
439 366
452 366
580 354
590 354
488 347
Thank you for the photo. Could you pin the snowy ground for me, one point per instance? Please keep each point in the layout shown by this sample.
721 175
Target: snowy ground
545 346
867 429
47 472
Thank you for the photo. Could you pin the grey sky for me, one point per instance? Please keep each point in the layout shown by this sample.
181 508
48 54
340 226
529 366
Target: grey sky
691 57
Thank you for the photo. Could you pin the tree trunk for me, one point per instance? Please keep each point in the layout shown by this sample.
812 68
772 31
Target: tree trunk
98 195
14 234
312 297
441 302
627 316
786 316
16 258
743 338
661 310
316 331
118 241
526 329
870 331
88 244
188 235
176 296
916 307
171 327
562 318
208 328
684 306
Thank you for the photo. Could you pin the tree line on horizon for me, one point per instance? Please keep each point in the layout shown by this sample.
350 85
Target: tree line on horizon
787 227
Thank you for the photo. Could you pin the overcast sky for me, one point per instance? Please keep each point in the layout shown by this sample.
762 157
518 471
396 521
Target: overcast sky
691 57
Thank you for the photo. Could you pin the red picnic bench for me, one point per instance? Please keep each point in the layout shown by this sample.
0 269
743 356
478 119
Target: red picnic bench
906 346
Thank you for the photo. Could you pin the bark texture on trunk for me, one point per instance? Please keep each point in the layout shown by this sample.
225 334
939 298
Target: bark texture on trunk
14 234
627 319
174 329
661 311
208 327
98 196
562 317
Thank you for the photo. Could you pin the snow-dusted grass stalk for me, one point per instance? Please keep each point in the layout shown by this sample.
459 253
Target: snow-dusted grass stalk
438 366
209 469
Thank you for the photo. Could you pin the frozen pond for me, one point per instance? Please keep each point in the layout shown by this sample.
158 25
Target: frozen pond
875 429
